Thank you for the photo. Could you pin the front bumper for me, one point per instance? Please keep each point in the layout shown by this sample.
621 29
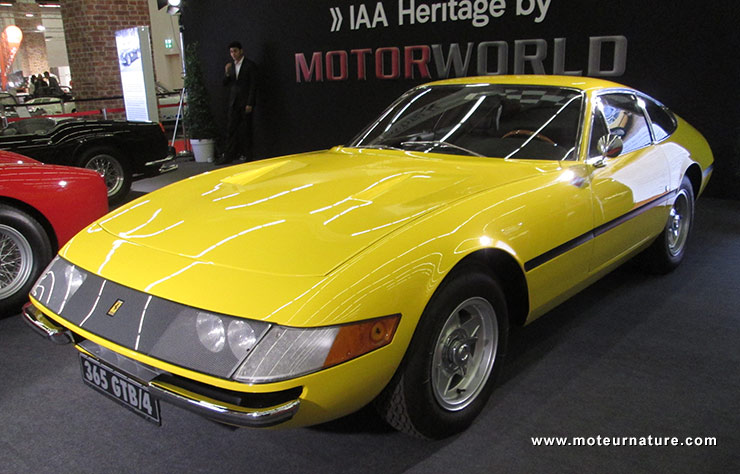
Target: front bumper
224 412
44 326
269 409
164 165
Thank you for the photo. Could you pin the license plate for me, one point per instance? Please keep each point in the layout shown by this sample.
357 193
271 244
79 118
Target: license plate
121 388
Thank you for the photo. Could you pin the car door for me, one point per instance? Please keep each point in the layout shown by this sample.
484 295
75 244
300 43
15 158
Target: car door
629 191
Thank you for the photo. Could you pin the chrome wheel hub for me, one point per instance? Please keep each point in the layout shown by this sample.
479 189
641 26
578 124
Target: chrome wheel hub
464 354
459 351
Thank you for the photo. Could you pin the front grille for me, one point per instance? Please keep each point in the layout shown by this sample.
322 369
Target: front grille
159 328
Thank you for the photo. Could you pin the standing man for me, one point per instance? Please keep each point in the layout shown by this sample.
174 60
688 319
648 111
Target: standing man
53 82
241 80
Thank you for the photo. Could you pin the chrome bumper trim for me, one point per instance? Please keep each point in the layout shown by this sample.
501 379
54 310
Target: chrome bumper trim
45 327
223 412
165 162
167 167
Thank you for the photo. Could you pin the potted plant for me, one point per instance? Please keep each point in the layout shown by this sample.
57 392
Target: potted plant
199 122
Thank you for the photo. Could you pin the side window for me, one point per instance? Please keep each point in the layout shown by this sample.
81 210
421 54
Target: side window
625 119
663 122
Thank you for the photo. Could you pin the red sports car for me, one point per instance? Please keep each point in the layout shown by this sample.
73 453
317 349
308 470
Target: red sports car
41 208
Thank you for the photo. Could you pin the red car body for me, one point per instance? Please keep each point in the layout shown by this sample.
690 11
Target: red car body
68 198
58 201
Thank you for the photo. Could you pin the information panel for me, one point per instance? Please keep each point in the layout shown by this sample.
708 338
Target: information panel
137 74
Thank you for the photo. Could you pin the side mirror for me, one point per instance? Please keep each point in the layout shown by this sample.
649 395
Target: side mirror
610 146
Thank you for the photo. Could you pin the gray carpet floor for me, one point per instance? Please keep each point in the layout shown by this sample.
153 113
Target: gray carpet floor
632 356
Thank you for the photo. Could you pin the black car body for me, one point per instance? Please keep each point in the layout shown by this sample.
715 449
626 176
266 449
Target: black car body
120 151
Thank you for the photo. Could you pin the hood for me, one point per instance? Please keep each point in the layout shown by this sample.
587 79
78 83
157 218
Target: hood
9 157
301 215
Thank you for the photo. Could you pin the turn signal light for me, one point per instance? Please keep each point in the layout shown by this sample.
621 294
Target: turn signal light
353 340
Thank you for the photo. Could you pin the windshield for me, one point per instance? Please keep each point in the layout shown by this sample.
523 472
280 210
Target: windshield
491 120
32 126
8 100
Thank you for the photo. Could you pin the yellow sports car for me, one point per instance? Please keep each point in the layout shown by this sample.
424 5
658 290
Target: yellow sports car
295 290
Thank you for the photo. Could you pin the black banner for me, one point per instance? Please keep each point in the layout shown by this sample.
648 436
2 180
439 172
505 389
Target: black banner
327 68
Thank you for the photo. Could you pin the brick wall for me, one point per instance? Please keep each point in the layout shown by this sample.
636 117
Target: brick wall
33 47
89 29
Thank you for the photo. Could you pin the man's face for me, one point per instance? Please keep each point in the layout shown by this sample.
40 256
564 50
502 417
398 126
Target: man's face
236 53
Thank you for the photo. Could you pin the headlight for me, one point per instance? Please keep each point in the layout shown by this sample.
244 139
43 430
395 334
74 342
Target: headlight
286 353
242 338
211 331
240 335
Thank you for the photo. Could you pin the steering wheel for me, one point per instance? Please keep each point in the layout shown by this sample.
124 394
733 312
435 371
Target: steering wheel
529 133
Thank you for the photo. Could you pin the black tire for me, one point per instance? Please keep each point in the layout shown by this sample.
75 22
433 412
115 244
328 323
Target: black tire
430 403
114 169
25 250
668 250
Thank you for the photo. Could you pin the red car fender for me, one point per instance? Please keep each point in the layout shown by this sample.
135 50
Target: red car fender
68 198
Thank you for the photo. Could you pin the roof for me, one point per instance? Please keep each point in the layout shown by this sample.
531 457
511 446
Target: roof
576 82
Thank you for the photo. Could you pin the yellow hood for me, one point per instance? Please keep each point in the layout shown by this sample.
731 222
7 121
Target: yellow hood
300 215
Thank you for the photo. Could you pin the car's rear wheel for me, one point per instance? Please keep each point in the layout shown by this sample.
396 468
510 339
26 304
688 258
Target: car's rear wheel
114 170
668 250
452 362
24 251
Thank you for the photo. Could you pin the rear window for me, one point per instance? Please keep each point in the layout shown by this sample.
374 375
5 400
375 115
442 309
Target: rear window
664 124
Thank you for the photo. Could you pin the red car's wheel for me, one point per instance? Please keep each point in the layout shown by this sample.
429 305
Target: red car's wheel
24 251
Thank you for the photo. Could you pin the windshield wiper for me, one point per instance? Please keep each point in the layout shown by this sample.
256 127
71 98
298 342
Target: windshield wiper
434 143
378 147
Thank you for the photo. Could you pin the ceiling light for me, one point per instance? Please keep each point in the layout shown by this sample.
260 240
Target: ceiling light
173 6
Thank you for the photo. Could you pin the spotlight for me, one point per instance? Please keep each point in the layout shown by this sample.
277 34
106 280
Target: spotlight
173 6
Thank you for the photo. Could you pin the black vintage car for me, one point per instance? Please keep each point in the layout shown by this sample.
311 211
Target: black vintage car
120 151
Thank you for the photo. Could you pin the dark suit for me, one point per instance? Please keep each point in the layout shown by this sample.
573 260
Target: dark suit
242 92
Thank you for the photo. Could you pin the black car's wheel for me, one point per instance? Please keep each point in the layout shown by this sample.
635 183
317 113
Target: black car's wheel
452 362
668 250
112 167
24 251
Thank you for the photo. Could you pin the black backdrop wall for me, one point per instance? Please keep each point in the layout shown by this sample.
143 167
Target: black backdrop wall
328 67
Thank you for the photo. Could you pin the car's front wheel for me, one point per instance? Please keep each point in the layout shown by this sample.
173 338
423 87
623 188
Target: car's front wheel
24 251
114 170
451 364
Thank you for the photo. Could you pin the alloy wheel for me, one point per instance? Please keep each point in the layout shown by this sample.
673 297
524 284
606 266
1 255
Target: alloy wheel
679 222
464 354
